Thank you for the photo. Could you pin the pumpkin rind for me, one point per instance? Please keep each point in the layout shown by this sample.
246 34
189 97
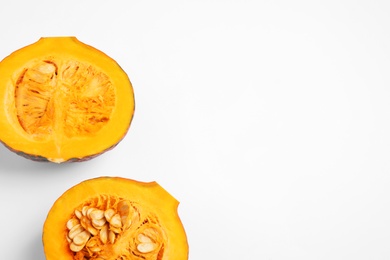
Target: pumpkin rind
62 100
152 207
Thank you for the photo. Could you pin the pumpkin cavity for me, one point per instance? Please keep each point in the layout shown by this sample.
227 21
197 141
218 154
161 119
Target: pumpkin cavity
109 227
56 98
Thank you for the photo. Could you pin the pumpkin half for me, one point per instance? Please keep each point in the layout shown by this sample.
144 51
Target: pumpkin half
112 218
62 100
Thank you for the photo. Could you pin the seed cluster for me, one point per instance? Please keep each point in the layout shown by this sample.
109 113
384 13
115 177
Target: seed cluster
97 229
93 222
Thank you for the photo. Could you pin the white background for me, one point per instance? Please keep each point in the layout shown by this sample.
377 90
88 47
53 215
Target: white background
267 120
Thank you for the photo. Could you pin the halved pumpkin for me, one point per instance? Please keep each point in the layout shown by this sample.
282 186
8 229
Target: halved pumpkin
110 218
62 100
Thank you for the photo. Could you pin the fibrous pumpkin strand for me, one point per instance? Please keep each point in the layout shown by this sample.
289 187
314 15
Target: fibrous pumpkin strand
108 226
70 98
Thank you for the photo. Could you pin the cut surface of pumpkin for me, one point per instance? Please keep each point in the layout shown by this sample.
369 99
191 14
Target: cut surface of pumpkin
109 218
63 100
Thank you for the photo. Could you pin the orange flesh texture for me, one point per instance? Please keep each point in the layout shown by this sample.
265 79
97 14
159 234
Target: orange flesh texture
151 195
63 99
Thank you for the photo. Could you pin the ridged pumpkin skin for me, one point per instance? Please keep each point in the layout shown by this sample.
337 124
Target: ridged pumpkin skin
147 223
62 100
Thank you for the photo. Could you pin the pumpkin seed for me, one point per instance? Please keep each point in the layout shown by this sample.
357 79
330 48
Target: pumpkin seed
143 239
71 223
108 214
96 214
116 221
111 236
75 231
81 238
98 223
76 248
146 247
104 234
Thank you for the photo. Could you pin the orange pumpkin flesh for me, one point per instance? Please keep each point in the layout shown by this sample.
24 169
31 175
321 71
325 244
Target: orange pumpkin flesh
62 100
111 218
